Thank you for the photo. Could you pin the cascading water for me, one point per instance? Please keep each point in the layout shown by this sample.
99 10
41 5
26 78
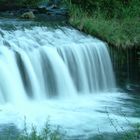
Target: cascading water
57 73
40 63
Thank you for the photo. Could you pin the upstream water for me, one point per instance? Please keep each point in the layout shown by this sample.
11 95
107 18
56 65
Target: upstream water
60 75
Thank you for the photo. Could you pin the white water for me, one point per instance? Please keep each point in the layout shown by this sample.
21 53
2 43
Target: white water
56 73
40 63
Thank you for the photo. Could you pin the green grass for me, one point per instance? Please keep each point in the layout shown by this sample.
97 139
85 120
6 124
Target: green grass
120 28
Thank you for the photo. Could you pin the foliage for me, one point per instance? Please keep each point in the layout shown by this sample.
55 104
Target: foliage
116 22
47 134
110 8
134 134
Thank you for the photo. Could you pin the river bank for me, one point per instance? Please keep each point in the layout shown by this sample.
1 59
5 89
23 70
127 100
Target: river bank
117 25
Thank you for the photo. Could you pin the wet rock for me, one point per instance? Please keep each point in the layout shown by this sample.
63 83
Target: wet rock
49 11
28 15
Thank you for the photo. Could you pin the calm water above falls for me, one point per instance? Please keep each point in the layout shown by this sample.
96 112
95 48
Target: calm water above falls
62 75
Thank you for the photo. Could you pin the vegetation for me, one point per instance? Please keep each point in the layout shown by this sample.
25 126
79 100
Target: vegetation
116 22
134 134
46 134
49 134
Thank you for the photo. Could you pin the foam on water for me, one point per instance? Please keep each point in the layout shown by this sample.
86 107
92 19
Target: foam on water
81 116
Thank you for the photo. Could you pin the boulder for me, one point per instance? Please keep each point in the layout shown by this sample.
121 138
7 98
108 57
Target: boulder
28 15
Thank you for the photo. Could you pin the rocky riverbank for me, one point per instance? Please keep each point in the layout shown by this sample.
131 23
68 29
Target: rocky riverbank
40 12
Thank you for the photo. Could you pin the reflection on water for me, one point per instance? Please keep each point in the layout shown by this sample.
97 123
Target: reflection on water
82 117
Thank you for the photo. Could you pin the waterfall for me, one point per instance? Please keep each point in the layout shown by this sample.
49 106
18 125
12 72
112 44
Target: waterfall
42 63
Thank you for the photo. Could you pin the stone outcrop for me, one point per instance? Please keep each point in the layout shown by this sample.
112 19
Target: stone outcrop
28 15
45 11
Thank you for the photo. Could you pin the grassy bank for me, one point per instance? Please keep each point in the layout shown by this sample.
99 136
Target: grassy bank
116 23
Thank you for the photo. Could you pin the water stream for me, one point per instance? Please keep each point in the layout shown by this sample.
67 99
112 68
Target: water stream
62 75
